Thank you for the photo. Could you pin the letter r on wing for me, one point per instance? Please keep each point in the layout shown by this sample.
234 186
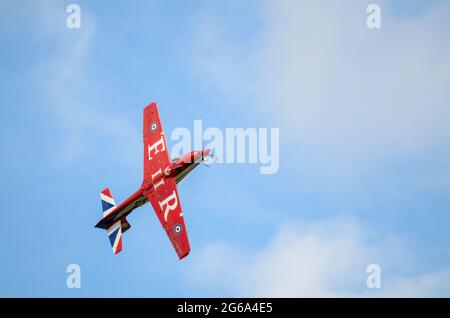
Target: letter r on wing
167 206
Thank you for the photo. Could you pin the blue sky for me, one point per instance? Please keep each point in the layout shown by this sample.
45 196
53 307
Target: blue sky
364 146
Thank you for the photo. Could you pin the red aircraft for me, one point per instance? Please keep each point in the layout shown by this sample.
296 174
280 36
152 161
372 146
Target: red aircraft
159 186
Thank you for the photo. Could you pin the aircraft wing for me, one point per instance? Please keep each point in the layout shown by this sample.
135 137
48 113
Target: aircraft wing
156 153
164 197
166 203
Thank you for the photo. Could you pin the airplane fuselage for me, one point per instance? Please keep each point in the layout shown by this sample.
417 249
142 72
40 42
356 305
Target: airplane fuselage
179 168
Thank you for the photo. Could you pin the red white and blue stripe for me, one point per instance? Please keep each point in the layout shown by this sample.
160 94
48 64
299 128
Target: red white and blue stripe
115 236
108 203
115 231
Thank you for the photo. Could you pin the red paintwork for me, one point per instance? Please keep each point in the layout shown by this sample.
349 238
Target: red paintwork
107 192
159 184
119 247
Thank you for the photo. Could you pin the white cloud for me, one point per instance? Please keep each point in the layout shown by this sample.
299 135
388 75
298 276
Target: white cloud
435 284
332 84
73 96
349 101
354 106
322 259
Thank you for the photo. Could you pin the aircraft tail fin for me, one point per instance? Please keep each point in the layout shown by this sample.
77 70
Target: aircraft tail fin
108 203
116 230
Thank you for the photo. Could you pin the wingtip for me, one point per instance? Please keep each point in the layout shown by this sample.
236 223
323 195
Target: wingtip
151 106
183 255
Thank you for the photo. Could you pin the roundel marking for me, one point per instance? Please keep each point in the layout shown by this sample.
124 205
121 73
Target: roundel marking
154 126
178 228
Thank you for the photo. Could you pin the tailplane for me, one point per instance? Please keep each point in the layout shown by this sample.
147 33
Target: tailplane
114 231
115 236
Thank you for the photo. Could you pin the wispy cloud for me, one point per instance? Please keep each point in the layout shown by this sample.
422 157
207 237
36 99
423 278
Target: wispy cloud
364 114
327 258
71 91
334 85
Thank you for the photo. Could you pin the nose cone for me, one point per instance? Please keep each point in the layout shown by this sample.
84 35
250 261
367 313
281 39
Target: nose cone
205 152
